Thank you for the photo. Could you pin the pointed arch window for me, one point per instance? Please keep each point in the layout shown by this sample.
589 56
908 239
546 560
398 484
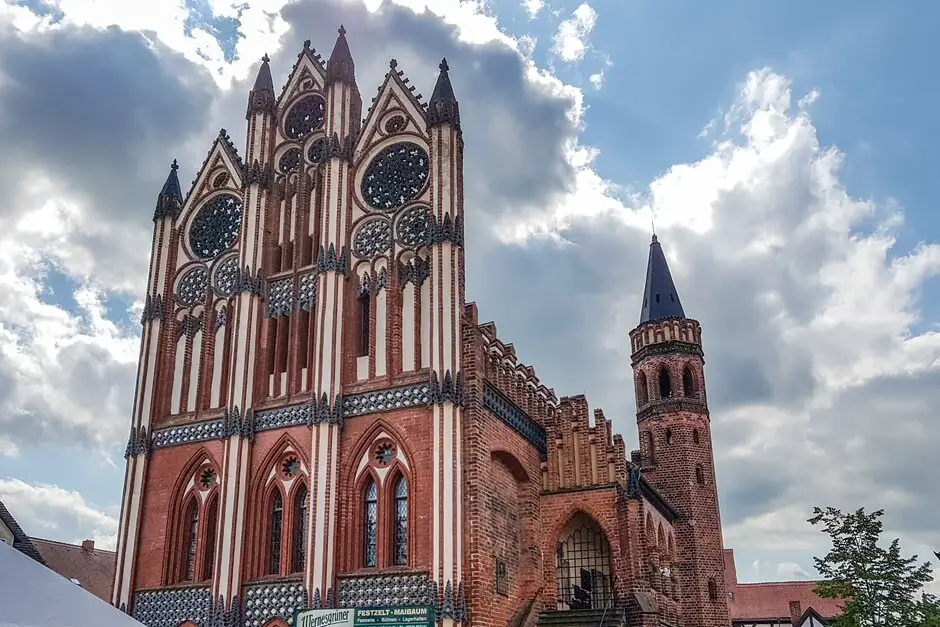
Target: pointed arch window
400 530
665 385
699 474
695 438
299 548
212 524
370 524
688 383
192 540
642 390
274 538
364 313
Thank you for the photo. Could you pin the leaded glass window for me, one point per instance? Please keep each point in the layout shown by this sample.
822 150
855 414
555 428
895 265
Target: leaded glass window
370 524
274 543
212 521
400 539
298 554
192 539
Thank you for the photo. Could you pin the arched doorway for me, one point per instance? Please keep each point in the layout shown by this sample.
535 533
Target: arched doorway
583 572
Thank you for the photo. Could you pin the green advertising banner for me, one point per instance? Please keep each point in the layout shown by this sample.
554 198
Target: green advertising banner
405 616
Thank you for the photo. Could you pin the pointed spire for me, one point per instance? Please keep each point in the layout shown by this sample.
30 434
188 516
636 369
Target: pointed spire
261 99
660 298
340 67
443 107
170 198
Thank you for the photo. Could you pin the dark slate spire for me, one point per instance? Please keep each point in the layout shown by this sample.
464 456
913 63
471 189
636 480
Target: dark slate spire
170 199
660 298
261 99
443 107
340 67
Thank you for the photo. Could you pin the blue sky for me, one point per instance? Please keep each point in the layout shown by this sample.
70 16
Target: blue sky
794 230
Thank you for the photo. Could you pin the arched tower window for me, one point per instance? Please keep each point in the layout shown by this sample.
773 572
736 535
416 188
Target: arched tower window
688 383
668 436
299 541
192 540
712 590
665 385
274 537
364 312
642 390
583 572
695 438
370 515
699 474
212 524
651 447
400 531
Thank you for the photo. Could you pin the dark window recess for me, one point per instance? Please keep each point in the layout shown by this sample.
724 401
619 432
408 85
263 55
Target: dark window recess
189 572
370 525
502 577
298 552
274 543
699 474
688 383
665 384
400 540
364 302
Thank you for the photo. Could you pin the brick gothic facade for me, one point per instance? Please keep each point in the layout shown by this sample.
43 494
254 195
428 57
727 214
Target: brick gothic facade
322 420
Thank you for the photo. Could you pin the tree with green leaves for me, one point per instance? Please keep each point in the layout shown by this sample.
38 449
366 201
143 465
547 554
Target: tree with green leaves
878 586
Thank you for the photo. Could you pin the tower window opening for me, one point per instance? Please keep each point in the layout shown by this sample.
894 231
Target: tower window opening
364 307
712 590
651 447
695 439
668 436
699 474
688 383
642 390
672 298
665 385
657 298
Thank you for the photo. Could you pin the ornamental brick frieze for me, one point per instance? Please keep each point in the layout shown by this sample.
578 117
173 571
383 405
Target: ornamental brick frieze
261 101
446 389
169 608
280 298
516 419
244 282
167 207
153 309
189 325
415 271
668 348
329 261
344 148
138 442
316 411
258 174
276 599
447 230
387 590
671 405
307 297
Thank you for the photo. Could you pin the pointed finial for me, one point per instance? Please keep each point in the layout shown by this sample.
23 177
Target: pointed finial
392 63
174 166
342 30
655 239
653 224
265 58
443 66
306 44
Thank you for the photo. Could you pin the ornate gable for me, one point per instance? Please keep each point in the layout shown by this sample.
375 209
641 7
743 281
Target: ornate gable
307 74
396 109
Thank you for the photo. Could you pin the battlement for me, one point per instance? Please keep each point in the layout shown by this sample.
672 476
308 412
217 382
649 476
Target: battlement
649 334
516 380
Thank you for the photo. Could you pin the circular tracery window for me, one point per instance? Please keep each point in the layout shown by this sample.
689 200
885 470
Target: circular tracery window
215 226
373 238
414 227
396 176
289 161
305 116
192 287
226 276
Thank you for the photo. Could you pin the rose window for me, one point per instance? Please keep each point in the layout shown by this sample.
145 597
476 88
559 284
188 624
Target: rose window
192 287
226 276
414 227
396 176
373 238
289 161
384 453
395 124
207 478
304 117
215 227
290 466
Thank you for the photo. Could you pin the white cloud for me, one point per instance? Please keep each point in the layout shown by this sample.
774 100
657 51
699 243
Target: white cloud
49 512
571 40
533 7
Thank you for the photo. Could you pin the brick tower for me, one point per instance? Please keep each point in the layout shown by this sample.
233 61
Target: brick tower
675 439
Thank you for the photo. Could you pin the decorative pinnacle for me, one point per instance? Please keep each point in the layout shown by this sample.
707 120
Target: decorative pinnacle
443 66
392 63
174 166
342 30
265 58
306 44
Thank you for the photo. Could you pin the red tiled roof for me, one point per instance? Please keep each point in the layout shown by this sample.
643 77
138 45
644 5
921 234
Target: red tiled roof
771 600
93 569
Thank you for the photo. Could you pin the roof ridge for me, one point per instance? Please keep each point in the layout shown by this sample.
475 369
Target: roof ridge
61 543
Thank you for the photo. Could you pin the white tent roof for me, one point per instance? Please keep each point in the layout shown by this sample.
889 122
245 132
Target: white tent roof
31 595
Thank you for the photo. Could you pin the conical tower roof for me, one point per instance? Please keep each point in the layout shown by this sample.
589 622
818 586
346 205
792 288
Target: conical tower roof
660 297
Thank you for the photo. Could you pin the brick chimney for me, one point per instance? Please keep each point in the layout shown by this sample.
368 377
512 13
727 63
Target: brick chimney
796 611
88 545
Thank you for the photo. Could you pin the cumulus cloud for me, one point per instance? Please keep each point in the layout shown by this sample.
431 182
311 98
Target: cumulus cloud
571 40
46 511
809 307
533 7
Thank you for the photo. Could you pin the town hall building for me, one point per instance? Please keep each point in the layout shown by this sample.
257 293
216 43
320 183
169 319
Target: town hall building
322 421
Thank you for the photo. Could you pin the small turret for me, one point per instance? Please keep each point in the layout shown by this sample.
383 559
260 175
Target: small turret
170 198
660 298
340 67
443 107
262 99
